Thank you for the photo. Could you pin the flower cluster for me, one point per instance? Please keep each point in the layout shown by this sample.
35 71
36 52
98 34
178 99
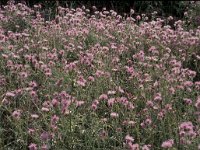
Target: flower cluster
97 81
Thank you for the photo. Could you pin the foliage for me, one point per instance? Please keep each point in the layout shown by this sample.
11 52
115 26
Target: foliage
101 81
164 8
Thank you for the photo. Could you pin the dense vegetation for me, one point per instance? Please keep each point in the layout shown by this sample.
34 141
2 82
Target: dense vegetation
164 8
103 81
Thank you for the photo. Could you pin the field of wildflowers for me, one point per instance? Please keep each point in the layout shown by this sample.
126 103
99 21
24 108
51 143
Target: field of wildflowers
97 82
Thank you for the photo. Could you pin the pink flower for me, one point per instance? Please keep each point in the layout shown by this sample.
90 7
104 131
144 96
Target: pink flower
32 146
187 101
55 102
152 48
45 136
149 103
99 73
33 93
10 94
23 75
120 89
79 103
81 81
132 146
167 144
111 92
94 106
44 147
130 106
129 138
172 90
33 84
157 97
131 123
34 116
48 72
54 119
130 70
103 97
111 102
146 147
16 114
188 83
91 78
197 104
197 85
45 109
138 17
31 131
103 134
186 132
114 115
96 102
148 121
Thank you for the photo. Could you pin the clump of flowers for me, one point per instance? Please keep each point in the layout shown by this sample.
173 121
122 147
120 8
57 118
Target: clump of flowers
93 79
186 132
168 144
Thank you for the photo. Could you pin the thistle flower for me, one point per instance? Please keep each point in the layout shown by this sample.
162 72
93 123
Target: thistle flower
81 81
32 146
129 138
168 143
114 115
44 136
16 114
103 97
197 104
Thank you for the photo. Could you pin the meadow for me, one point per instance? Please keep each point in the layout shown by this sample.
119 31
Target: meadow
97 82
